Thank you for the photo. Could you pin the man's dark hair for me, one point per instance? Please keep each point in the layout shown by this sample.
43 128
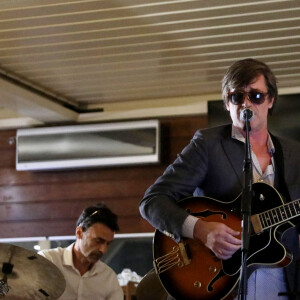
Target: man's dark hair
98 213
243 73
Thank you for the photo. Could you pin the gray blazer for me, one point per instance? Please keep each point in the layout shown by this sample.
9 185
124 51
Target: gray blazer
212 165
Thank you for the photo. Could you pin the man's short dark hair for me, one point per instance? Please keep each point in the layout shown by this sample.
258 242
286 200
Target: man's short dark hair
98 213
243 73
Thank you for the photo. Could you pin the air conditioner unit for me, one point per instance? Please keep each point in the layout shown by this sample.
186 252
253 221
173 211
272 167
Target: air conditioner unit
91 145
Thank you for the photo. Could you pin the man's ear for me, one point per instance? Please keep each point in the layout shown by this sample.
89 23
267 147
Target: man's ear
79 232
271 103
227 106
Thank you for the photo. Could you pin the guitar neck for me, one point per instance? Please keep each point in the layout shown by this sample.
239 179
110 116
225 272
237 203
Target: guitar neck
275 216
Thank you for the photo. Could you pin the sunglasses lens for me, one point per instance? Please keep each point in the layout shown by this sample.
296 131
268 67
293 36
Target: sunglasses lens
237 98
256 97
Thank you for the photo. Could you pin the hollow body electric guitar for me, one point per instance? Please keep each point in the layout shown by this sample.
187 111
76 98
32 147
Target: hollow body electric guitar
188 270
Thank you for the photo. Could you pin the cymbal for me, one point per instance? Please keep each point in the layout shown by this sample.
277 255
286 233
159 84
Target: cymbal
151 288
28 275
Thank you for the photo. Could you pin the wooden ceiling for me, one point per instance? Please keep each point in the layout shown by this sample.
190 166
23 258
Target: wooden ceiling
62 60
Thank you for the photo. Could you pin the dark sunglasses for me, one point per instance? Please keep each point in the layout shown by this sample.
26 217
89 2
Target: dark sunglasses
238 97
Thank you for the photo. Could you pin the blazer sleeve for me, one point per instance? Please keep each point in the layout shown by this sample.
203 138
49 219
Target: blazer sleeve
201 169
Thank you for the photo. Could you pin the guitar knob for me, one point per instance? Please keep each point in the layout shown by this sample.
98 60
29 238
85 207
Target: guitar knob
212 269
197 284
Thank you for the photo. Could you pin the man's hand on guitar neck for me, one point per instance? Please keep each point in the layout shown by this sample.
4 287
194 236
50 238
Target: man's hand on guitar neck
218 237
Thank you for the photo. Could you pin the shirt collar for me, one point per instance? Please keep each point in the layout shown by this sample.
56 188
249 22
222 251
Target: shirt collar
236 134
68 256
68 261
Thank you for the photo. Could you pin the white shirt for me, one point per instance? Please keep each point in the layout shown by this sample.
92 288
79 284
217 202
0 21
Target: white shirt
99 283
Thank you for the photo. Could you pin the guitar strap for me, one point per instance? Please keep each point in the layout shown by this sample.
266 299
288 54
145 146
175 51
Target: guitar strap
280 183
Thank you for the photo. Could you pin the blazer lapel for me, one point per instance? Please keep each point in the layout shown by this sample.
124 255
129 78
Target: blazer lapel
234 152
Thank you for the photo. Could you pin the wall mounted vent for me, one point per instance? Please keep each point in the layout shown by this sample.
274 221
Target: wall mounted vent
92 145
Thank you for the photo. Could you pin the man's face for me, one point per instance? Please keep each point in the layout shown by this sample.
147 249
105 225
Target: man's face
260 111
93 243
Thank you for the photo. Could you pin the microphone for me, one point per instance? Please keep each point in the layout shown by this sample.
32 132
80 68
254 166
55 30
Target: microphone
246 115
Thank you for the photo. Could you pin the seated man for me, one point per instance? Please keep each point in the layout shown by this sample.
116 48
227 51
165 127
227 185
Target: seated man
86 276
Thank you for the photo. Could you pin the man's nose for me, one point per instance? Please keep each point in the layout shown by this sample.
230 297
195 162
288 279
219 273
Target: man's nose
103 248
247 102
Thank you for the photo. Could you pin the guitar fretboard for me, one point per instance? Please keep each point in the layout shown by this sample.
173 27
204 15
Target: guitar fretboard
279 214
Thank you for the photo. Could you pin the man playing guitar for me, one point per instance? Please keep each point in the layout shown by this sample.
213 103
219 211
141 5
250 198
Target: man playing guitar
212 166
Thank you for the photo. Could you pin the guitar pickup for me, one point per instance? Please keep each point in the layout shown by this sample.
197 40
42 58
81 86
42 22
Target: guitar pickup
186 259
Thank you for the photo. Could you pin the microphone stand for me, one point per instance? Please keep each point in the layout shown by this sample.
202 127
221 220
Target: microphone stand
246 211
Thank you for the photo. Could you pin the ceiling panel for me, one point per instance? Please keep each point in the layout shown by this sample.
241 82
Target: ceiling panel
88 54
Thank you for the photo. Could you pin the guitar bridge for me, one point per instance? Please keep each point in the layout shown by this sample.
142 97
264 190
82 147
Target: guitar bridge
178 256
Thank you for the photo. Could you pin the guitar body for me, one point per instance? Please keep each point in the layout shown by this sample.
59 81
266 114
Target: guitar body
190 271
